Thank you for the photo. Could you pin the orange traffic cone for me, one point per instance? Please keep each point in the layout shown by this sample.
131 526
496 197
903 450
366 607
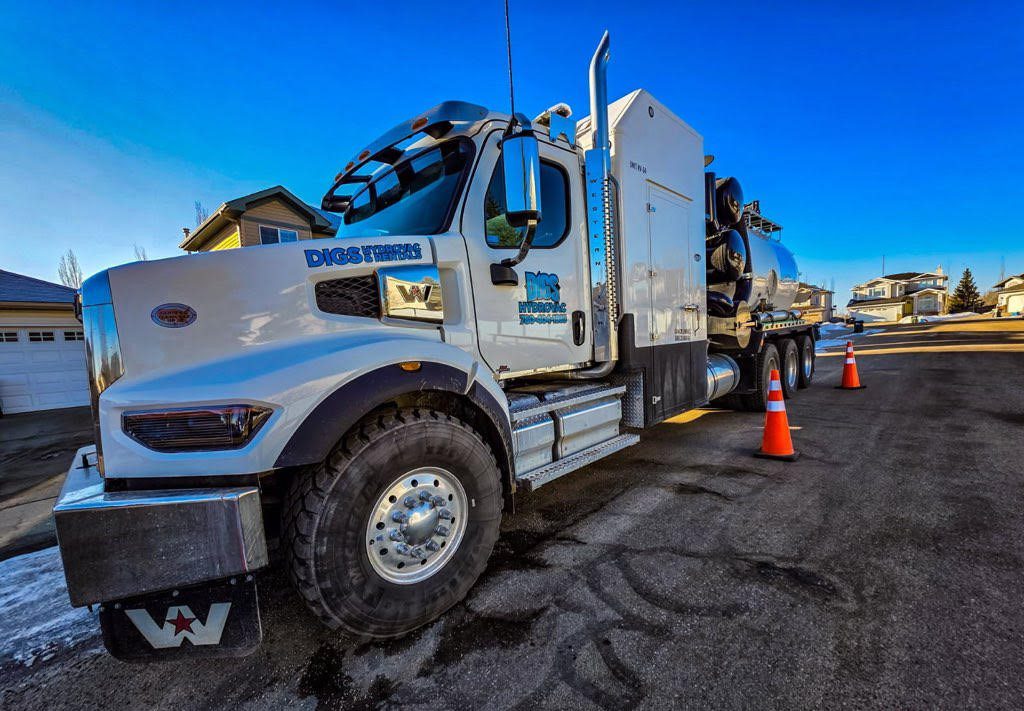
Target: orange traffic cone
851 381
776 443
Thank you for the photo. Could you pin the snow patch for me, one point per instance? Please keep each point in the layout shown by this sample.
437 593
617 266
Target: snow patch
38 620
935 319
841 342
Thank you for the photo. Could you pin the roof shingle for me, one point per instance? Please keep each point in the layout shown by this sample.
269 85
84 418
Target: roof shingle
21 288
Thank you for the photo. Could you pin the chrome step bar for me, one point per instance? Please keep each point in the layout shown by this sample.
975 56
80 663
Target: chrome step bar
542 475
545 407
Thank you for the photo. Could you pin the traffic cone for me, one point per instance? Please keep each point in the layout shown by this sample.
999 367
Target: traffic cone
776 443
851 381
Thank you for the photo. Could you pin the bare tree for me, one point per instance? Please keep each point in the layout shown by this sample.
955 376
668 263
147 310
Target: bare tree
140 253
68 270
201 213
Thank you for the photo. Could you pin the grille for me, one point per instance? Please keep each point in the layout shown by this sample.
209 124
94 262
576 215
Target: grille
353 296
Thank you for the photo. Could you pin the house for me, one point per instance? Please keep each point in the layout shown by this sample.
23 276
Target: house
1010 296
814 303
42 354
269 216
891 297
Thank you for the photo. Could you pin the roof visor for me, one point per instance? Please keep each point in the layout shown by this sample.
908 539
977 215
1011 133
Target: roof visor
390 148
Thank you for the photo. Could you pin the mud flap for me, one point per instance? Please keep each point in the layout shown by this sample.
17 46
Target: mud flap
220 619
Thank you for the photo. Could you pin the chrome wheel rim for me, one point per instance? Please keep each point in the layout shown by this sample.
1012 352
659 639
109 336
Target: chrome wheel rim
791 370
808 364
416 525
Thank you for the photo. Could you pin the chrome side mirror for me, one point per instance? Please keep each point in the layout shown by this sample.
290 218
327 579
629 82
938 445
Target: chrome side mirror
521 155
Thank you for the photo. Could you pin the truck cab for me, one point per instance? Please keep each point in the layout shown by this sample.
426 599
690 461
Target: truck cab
505 301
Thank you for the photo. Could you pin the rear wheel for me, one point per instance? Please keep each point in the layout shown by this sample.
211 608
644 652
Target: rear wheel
767 361
790 372
397 525
806 346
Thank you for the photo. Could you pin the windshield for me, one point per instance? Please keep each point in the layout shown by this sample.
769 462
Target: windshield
412 198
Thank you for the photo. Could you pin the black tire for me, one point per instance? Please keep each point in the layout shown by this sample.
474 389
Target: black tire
767 360
789 373
329 506
807 357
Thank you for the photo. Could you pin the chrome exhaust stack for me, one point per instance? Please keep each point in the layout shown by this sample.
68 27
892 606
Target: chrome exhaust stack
602 238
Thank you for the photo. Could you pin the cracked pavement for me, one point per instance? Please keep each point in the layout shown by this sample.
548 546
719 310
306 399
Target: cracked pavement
882 569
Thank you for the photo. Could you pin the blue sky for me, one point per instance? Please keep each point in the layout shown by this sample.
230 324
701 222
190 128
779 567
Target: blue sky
865 128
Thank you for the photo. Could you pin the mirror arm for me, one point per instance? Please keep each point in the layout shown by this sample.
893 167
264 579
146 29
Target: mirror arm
502 273
525 245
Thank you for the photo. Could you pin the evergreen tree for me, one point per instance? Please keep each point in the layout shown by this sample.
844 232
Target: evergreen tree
966 296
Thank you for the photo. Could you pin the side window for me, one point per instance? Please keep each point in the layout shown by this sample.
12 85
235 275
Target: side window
554 203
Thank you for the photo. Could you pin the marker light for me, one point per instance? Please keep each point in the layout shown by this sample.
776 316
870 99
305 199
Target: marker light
410 366
195 429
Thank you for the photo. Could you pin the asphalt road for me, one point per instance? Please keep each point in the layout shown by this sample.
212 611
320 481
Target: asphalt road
883 569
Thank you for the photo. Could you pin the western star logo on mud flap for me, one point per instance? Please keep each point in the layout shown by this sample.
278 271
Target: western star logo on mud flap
369 253
180 624
543 300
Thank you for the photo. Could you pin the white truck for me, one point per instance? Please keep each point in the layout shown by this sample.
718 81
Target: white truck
505 302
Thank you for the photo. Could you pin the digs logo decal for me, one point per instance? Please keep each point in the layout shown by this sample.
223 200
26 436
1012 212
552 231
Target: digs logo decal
543 300
180 624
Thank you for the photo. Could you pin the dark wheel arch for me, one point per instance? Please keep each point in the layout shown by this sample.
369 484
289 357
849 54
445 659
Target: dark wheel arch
436 385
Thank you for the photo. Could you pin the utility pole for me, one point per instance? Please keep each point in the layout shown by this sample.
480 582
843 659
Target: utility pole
883 265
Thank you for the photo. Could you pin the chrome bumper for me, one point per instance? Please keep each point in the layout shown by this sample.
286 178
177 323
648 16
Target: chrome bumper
127 543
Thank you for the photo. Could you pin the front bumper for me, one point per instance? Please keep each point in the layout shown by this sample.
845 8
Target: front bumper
127 543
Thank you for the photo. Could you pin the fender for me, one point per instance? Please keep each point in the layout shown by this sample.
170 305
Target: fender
336 414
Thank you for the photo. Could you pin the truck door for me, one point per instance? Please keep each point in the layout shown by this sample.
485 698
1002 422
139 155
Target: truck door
542 323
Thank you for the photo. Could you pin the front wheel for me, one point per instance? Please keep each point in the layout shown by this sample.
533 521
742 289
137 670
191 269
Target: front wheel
397 525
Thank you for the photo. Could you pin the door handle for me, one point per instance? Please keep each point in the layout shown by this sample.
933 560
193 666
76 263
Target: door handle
579 322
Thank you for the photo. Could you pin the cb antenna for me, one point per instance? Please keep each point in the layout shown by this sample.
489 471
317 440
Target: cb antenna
511 86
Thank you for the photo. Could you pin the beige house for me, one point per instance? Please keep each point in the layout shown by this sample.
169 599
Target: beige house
814 303
42 353
270 216
891 297
1010 296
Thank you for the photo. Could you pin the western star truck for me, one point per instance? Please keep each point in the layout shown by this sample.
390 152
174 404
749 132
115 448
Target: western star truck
505 302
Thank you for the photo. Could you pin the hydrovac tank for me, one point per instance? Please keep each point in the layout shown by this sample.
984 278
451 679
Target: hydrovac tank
749 272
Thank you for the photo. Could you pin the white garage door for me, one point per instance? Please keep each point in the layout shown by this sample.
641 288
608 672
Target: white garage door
42 368
1015 304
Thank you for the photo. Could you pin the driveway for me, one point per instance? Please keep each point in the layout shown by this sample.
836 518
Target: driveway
36 449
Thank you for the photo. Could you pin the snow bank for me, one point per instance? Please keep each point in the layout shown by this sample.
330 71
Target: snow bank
943 317
38 620
831 327
839 342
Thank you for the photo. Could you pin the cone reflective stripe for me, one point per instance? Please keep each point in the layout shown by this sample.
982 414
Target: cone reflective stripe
851 380
776 442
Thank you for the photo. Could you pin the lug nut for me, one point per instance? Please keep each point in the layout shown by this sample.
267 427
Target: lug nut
402 549
433 546
395 535
399 517
445 514
409 502
437 501
417 553
424 496
441 530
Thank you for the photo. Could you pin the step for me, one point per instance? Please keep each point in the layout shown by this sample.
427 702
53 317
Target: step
545 406
549 472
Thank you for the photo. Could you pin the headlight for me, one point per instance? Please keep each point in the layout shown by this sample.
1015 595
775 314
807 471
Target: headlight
195 429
